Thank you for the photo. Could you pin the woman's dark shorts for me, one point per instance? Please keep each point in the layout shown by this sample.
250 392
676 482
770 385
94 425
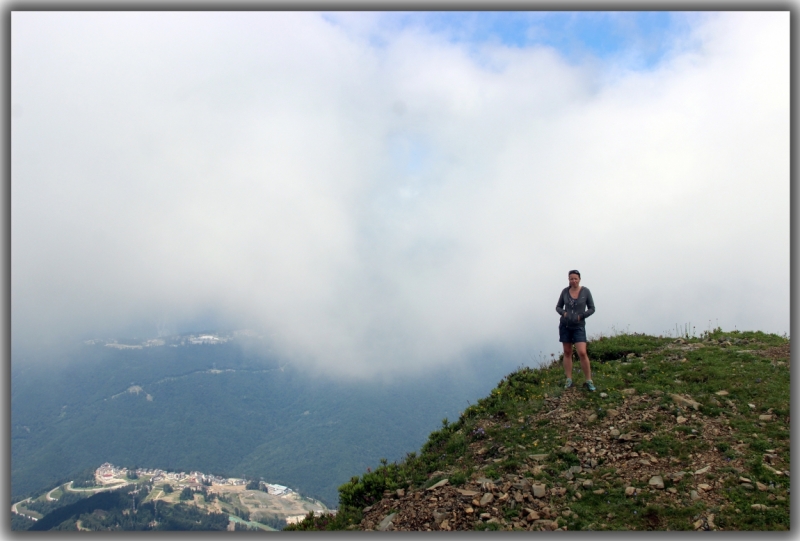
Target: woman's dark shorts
571 335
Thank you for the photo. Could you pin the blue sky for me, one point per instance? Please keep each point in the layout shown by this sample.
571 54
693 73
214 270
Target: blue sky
643 38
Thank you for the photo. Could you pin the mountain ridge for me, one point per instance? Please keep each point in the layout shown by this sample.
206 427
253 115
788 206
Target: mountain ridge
687 433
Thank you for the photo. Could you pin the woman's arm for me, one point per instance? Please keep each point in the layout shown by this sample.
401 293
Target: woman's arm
589 305
560 305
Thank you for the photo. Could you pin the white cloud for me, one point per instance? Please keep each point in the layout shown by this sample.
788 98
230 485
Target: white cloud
390 206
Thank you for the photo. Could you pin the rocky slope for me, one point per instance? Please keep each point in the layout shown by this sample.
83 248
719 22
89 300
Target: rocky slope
686 434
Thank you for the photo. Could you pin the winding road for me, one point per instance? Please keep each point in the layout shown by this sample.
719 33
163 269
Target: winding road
93 490
70 488
14 509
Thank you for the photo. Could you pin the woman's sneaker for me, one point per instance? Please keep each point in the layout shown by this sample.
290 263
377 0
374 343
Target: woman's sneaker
589 386
568 384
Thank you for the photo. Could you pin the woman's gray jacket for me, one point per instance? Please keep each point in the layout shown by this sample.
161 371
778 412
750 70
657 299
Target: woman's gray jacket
570 308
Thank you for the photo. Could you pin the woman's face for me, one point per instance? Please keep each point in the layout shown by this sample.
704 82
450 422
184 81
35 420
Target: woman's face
574 281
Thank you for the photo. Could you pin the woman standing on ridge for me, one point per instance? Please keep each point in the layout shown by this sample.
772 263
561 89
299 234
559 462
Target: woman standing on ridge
574 305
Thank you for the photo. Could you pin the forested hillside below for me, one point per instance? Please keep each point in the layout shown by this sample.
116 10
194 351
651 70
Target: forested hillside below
223 409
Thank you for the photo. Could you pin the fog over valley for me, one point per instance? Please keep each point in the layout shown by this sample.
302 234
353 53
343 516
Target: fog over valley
378 194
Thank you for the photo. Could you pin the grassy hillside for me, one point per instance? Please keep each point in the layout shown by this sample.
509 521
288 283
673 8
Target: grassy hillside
682 434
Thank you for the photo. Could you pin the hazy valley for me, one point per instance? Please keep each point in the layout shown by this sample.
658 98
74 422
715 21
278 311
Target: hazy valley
209 402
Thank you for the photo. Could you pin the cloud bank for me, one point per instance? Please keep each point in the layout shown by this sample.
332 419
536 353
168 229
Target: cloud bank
379 199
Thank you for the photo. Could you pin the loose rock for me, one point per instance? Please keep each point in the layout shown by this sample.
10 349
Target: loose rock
441 483
386 522
685 402
657 482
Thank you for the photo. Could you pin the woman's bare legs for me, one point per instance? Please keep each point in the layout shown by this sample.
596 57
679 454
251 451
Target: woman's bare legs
584 357
567 359
587 370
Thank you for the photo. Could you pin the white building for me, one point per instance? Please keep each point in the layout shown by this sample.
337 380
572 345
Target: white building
276 490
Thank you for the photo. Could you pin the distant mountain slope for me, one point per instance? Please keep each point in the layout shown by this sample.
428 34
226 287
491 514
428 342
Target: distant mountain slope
221 409
117 510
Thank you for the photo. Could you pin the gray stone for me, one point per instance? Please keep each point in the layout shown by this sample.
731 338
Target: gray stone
532 515
524 485
486 499
538 457
539 491
441 483
685 402
548 524
657 482
576 469
488 486
384 525
694 495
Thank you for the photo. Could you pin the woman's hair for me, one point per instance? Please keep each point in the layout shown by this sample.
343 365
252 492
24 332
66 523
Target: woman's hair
574 272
